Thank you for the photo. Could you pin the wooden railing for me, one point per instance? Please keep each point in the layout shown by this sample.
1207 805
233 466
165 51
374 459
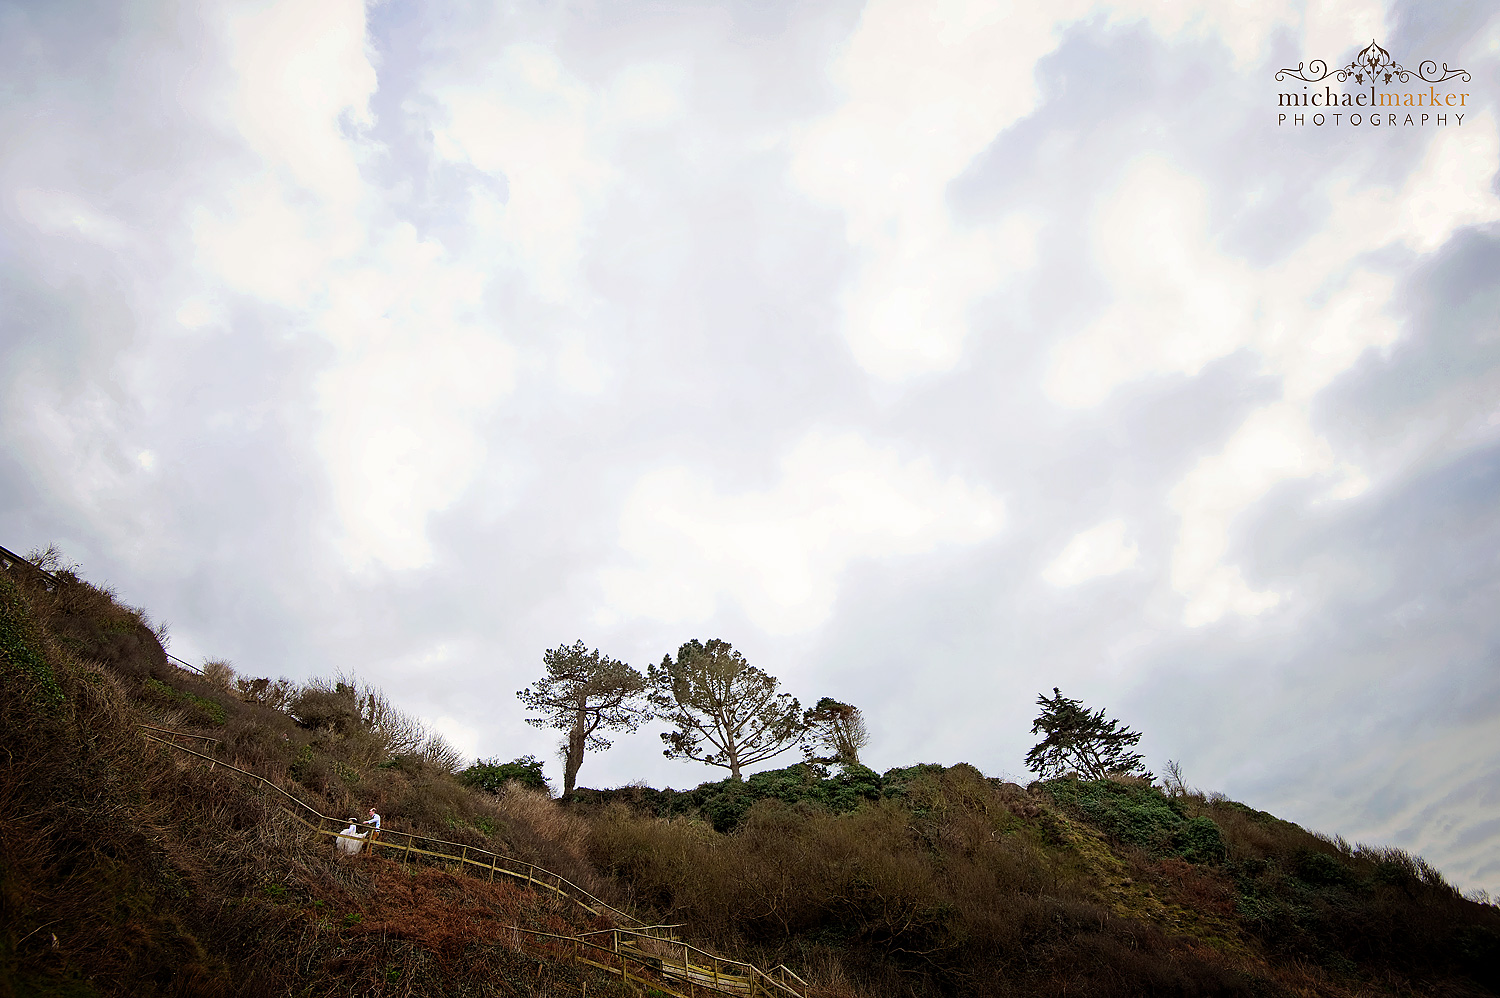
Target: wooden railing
652 950
659 958
668 966
9 560
407 846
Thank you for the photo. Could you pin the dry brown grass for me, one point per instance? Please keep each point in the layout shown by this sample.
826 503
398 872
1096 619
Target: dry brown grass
157 875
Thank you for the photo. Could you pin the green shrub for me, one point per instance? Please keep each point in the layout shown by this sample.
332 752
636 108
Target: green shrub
491 775
1318 869
300 768
1133 813
20 648
1199 841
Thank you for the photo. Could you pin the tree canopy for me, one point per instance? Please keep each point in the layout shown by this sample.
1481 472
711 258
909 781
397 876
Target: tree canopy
834 732
1082 741
726 712
583 693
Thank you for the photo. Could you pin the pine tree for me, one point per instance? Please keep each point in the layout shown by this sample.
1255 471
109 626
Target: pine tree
582 692
1078 740
726 711
835 733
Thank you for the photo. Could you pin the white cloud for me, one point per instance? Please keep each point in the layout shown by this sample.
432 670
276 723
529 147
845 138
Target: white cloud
464 737
1175 304
581 368
302 72
780 553
1327 27
1098 551
54 212
526 119
646 95
929 85
417 372
195 313
415 366
1180 302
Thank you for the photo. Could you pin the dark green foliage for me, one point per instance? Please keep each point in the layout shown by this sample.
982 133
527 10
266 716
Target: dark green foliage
491 775
897 781
1131 812
1346 908
1200 841
301 767
725 803
1319 869
125 873
1477 948
86 621
1136 813
92 904
1080 741
936 890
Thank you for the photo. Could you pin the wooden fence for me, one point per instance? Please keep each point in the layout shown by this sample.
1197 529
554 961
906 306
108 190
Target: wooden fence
652 952
407 846
666 965
657 957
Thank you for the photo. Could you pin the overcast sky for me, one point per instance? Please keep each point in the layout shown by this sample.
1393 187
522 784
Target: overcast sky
933 354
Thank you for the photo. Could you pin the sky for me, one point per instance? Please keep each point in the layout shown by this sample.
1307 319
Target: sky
933 353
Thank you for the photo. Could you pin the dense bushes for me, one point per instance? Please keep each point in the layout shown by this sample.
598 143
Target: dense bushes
491 775
725 803
1342 907
937 888
1136 813
921 882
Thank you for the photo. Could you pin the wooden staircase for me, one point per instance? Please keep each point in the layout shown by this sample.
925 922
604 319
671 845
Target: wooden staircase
651 955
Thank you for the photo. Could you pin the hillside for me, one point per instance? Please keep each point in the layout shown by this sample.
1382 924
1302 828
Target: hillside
133 868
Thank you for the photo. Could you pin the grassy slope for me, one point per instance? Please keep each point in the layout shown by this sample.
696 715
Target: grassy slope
141 874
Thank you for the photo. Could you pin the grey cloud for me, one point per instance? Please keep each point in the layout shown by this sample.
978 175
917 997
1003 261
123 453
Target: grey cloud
714 306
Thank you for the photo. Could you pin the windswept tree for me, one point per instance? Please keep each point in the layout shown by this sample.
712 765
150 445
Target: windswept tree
584 693
727 713
834 732
1082 741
